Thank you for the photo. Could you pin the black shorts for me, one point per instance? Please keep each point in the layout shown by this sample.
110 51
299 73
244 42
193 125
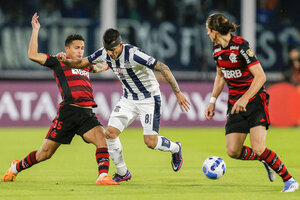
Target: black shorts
71 120
257 114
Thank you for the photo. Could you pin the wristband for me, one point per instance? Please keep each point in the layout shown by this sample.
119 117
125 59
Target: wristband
212 100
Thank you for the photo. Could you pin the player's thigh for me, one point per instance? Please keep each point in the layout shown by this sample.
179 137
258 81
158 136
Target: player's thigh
258 139
124 113
149 113
234 143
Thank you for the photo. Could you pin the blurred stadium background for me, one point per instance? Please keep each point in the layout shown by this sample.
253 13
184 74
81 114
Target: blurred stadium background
174 32
171 30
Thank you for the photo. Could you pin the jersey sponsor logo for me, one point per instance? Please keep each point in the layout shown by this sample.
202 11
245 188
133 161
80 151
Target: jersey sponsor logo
232 73
233 58
245 56
217 50
250 52
234 47
120 73
81 72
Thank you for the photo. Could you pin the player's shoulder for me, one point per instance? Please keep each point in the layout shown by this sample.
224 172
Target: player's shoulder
97 54
238 40
133 49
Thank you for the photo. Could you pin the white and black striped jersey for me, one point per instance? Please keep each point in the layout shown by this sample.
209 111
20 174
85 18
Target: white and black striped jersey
134 70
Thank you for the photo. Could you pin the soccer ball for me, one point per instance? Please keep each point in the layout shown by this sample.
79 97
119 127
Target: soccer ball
214 167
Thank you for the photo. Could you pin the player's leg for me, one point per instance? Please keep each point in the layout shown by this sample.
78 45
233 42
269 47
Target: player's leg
47 150
235 146
97 137
122 116
257 138
237 127
150 112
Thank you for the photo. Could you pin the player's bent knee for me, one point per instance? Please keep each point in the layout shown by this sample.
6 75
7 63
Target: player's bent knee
233 154
150 142
150 145
110 134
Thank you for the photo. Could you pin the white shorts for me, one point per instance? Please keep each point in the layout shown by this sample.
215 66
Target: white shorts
149 111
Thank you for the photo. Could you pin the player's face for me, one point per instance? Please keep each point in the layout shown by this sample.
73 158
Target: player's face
115 52
211 34
75 49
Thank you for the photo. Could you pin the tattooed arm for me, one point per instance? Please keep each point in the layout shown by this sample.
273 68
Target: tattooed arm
167 74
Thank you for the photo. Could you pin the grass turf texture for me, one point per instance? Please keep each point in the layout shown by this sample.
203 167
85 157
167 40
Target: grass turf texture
72 171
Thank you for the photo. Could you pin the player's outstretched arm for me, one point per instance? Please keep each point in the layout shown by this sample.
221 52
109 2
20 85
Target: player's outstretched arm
78 63
33 45
99 67
167 74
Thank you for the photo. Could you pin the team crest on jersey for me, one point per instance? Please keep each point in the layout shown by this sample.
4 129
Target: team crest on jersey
250 52
233 58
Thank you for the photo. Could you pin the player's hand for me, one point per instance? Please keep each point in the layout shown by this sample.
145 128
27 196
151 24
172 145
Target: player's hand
61 56
209 112
239 106
100 67
34 22
183 102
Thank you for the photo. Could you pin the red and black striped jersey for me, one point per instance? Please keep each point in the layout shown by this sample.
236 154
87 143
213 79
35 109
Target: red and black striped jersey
235 61
74 84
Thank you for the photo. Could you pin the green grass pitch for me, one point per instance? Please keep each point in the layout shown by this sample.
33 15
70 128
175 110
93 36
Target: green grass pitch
72 171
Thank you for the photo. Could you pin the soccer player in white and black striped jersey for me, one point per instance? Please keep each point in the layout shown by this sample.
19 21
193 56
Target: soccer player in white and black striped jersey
141 97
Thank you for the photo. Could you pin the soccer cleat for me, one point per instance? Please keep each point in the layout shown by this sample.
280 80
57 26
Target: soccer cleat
270 171
290 185
177 159
9 175
118 178
106 180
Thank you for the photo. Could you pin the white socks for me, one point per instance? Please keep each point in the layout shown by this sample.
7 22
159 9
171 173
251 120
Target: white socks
165 144
14 169
115 151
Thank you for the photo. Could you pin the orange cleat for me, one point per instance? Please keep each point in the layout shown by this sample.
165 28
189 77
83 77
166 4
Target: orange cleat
9 175
106 180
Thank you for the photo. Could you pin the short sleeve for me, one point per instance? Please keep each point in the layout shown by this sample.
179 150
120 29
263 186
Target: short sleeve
95 57
51 61
247 54
144 59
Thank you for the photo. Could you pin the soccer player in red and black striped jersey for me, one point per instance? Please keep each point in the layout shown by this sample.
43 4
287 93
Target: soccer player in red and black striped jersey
248 101
74 114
